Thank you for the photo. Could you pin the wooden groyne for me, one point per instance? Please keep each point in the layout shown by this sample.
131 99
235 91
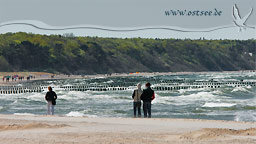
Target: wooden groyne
157 85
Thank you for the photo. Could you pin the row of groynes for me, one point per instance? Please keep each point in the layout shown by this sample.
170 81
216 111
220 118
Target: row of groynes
163 85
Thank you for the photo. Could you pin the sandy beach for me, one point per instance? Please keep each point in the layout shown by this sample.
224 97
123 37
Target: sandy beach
16 129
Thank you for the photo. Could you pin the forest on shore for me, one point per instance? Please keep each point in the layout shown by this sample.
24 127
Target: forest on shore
69 54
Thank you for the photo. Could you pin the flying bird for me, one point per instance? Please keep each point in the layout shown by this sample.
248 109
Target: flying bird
240 22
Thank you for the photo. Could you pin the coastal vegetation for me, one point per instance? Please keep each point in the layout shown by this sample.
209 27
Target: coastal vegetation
91 55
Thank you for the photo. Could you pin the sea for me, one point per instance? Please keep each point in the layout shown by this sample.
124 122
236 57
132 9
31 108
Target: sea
227 102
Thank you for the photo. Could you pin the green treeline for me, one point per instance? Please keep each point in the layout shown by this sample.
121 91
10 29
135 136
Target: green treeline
91 55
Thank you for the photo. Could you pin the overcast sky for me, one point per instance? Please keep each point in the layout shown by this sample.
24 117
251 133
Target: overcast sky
140 16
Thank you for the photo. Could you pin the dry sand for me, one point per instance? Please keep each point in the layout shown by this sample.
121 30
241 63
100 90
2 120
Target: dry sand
81 130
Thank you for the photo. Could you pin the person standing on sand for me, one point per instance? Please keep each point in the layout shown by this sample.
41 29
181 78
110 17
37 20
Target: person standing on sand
147 96
136 100
50 97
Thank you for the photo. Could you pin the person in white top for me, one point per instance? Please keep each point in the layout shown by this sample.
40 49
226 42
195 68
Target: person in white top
136 100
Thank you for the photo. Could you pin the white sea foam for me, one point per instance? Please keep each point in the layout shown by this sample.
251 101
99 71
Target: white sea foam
251 80
201 95
243 89
245 116
229 80
15 102
218 105
28 114
251 74
110 81
66 97
249 87
90 116
185 99
36 97
163 100
75 114
103 96
99 77
60 92
170 100
218 92
76 93
221 76
181 91
72 95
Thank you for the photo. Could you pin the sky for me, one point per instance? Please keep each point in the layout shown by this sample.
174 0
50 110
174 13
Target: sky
187 19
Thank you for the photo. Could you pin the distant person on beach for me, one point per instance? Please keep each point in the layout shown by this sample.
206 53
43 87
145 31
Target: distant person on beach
136 100
147 96
50 97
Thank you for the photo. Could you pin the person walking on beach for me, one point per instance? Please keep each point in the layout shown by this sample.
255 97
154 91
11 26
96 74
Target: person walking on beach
50 97
136 100
147 96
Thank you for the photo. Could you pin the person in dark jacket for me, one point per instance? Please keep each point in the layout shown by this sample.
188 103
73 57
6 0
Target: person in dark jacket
50 97
147 96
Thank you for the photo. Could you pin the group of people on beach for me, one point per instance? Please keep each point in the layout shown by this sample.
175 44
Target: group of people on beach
16 77
147 95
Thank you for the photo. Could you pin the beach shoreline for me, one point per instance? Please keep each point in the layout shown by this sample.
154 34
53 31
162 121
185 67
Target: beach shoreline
51 76
61 129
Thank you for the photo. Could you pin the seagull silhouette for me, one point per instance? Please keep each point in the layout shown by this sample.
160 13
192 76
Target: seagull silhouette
240 22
